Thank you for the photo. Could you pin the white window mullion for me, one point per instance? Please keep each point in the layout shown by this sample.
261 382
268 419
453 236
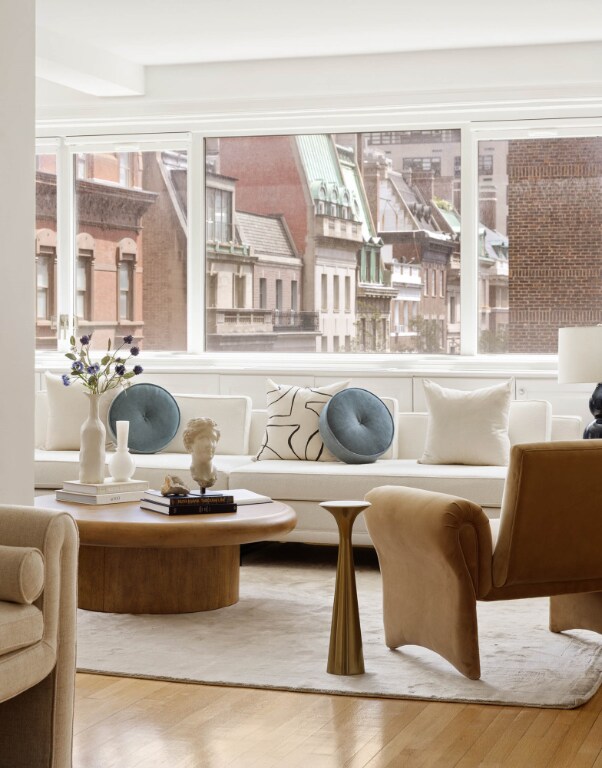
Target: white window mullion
469 271
196 245
65 238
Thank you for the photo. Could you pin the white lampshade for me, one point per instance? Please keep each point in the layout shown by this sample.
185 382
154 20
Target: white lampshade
580 355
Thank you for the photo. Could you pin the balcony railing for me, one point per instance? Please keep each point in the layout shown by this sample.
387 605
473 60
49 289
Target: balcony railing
295 321
249 320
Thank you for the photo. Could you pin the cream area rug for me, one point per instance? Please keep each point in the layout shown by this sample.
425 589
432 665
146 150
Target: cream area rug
277 636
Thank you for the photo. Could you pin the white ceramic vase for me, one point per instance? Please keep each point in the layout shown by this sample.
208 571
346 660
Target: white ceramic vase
121 463
92 444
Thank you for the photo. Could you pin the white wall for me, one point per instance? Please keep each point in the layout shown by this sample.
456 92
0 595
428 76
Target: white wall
17 211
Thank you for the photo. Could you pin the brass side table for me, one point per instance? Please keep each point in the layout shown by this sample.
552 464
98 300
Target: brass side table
345 656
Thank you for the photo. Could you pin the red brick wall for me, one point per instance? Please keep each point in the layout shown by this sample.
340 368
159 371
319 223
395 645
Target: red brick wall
267 179
554 229
164 291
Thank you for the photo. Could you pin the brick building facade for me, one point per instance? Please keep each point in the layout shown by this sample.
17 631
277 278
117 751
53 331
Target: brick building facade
554 231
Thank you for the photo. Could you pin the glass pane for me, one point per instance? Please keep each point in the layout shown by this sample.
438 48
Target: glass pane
134 205
45 250
354 221
540 261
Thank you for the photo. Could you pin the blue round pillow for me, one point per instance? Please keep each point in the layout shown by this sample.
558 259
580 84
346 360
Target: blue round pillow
153 414
356 426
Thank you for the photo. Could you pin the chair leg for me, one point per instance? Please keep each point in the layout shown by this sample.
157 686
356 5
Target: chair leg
443 621
577 611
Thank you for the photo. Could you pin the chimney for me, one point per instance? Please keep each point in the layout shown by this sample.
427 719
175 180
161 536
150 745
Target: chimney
424 180
488 204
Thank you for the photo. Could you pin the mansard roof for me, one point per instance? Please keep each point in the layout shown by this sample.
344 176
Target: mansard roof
267 235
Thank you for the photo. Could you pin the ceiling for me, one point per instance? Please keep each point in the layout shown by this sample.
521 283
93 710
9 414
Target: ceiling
131 34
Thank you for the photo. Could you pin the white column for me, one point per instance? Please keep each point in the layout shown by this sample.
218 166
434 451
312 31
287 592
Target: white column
17 224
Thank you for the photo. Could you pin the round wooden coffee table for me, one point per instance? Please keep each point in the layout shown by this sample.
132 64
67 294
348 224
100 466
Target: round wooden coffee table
135 561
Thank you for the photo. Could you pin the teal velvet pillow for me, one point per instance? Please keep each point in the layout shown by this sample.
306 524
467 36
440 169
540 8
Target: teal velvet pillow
153 414
356 426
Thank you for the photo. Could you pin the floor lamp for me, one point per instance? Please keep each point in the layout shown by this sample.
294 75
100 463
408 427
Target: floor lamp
580 362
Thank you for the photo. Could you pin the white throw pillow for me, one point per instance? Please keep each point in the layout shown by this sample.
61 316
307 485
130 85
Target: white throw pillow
232 414
68 408
293 430
467 427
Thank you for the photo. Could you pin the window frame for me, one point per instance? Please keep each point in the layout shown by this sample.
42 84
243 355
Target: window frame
474 127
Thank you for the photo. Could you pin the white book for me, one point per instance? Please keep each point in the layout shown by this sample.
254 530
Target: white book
98 498
242 496
109 486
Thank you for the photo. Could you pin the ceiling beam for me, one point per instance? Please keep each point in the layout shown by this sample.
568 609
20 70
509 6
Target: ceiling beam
84 67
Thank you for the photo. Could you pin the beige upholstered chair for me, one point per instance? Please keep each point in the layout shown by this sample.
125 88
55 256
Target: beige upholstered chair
38 604
439 554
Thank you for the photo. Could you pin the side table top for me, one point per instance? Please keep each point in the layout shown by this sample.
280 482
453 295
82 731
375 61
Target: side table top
126 525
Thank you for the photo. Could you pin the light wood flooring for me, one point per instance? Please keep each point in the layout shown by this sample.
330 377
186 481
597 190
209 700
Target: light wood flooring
129 723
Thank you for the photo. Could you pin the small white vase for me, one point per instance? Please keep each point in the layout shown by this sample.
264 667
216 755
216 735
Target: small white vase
121 463
92 444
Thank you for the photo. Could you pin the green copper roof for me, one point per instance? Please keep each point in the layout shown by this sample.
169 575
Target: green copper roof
319 158
325 169
355 186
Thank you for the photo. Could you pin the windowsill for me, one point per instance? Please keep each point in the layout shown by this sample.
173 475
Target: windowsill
537 366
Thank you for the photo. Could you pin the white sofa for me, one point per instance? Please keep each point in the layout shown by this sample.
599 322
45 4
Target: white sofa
304 484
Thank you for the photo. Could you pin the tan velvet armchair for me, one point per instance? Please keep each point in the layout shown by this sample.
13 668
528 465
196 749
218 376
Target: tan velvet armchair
439 554
38 605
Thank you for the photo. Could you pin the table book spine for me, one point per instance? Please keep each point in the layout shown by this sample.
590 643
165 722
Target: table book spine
96 499
184 501
199 509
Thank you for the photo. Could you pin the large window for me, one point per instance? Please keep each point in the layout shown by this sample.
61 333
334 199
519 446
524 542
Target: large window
356 221
320 243
124 270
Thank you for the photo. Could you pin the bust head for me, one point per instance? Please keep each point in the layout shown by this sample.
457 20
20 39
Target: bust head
200 439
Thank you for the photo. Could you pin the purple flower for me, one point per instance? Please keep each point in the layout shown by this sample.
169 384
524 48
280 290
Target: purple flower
120 370
77 366
135 351
138 369
92 369
85 340
66 380
128 339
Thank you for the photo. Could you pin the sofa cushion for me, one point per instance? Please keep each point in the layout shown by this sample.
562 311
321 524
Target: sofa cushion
20 626
21 574
467 427
292 430
52 468
153 414
356 426
231 413
290 480
67 411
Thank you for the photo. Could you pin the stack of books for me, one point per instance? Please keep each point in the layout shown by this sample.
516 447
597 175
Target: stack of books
108 492
210 502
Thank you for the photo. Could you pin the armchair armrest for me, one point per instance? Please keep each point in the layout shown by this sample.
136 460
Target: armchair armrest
21 574
434 550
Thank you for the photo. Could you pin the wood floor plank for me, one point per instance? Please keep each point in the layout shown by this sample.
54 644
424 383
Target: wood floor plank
132 723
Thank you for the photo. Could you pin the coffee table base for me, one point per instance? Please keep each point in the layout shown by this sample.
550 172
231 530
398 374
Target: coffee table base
158 580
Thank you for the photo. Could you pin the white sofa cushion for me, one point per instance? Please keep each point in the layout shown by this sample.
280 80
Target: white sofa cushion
529 421
231 413
467 427
320 481
54 467
67 410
